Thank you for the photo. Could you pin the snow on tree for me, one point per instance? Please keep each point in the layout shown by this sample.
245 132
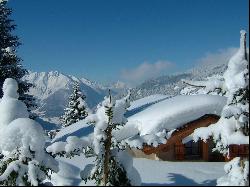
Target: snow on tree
233 126
22 144
10 107
10 63
77 108
237 173
113 165
211 85
216 84
107 170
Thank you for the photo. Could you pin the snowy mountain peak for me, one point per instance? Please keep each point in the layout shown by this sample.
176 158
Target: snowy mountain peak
53 88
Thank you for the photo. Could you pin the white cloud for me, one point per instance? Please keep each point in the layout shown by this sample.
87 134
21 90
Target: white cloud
220 57
144 71
147 70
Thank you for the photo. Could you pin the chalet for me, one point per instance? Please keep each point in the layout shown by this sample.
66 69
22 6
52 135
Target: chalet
181 146
184 114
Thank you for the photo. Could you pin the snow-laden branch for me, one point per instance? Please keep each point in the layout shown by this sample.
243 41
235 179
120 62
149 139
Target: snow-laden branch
72 146
233 126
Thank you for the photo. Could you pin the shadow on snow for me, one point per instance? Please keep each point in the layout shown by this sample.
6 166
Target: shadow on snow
175 179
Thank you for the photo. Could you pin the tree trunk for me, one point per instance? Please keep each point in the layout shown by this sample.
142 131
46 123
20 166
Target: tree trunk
107 146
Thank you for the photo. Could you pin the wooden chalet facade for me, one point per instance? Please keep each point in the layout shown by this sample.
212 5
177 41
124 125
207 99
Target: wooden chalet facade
176 149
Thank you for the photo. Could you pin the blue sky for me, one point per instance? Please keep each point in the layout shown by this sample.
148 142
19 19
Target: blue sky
107 40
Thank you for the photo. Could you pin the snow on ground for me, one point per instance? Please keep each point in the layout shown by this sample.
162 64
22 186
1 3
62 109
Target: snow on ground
69 171
162 173
158 173
152 172
49 123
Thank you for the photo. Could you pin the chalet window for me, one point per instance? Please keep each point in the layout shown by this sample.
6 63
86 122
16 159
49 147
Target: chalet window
192 150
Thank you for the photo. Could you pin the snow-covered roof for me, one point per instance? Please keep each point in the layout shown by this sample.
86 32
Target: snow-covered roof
79 129
149 124
172 113
146 101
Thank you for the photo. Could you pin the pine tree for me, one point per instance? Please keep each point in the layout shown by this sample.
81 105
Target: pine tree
77 108
112 165
234 121
108 169
10 63
23 159
238 101
237 108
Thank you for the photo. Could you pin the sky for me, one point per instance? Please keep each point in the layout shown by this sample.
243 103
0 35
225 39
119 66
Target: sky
126 40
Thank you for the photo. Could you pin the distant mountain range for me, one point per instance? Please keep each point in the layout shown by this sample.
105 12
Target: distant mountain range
52 89
172 84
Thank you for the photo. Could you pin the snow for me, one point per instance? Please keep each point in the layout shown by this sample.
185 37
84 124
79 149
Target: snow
163 173
82 129
10 88
146 101
79 129
22 132
236 175
187 139
209 85
152 172
224 131
141 129
189 173
234 75
10 110
234 114
10 107
22 141
69 171
52 90
172 113
68 175
233 126
102 120
127 162
73 144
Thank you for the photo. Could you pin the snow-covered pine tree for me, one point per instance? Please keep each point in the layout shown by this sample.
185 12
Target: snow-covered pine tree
237 83
24 160
113 165
77 107
10 63
108 168
233 126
